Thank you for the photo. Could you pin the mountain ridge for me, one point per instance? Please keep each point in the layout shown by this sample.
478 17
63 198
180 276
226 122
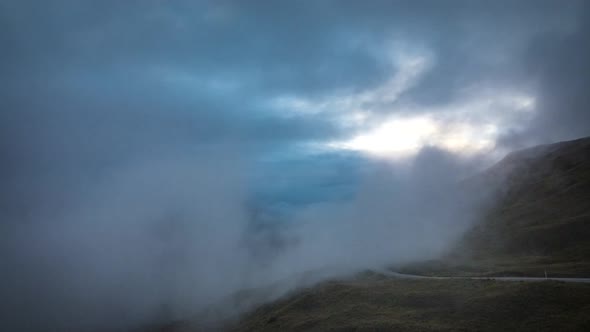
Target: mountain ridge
536 218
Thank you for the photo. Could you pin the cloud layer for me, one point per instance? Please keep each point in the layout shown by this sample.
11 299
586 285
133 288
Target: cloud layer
158 156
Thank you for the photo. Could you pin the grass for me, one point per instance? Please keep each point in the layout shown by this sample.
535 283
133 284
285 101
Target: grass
515 266
373 304
540 219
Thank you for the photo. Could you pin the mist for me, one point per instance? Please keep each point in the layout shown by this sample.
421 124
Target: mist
112 220
183 160
169 237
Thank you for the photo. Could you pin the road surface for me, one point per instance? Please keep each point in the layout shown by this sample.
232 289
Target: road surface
413 276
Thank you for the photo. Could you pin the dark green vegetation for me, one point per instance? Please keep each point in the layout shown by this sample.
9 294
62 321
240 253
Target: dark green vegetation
375 304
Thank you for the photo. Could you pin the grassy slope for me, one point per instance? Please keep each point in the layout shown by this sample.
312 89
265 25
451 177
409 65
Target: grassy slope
419 305
540 221
544 208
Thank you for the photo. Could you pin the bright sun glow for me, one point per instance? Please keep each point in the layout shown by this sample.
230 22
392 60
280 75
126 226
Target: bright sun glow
471 124
401 137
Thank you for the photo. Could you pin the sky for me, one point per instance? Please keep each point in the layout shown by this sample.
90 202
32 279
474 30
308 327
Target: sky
178 134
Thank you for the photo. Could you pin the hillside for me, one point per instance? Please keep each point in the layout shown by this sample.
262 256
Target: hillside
539 222
539 219
374 304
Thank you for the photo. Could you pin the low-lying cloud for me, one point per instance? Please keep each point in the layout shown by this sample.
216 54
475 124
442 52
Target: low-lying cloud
158 158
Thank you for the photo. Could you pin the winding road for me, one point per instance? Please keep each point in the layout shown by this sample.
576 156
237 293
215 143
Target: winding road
528 279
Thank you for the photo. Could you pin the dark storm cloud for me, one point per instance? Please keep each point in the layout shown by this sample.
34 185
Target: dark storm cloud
562 66
271 48
277 51
481 43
